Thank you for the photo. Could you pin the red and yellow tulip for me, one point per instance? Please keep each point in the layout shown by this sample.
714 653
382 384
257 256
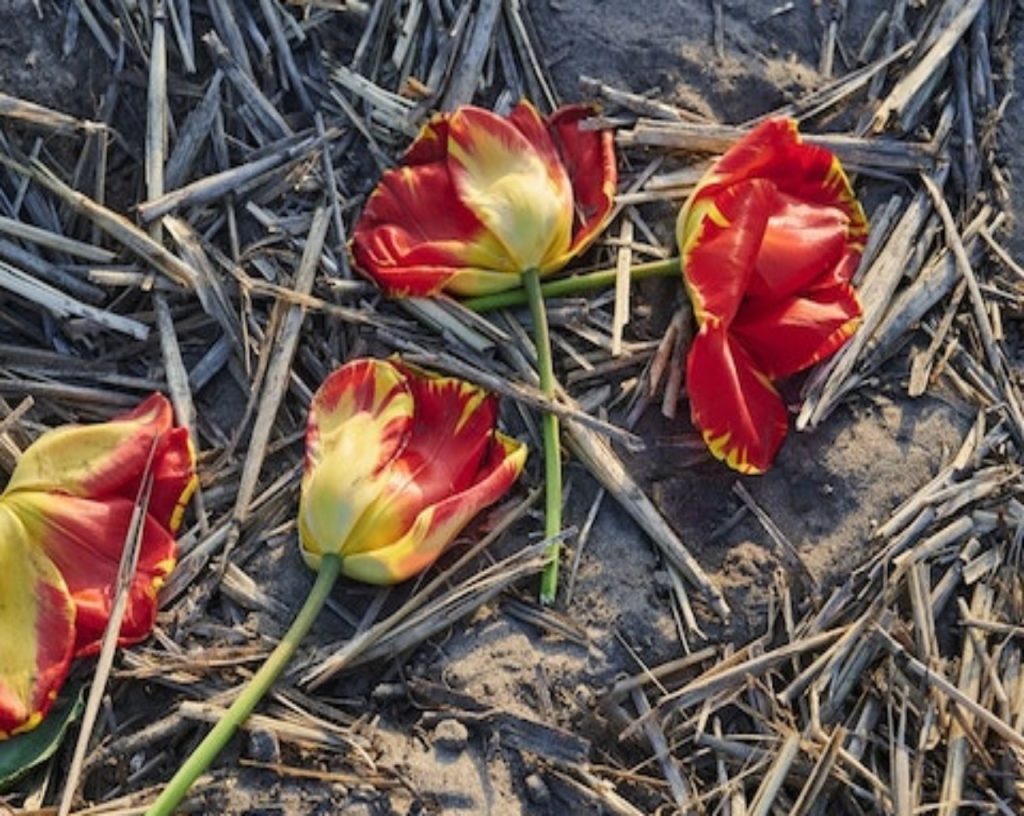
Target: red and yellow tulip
481 199
397 463
64 517
770 240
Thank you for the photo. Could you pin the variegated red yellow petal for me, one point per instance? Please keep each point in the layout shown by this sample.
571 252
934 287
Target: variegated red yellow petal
109 459
774 151
788 335
85 539
589 158
359 422
451 432
733 404
104 459
437 525
36 629
415 235
512 185
720 238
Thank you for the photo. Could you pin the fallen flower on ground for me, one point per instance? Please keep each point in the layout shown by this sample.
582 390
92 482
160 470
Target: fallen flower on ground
398 461
483 204
770 240
64 517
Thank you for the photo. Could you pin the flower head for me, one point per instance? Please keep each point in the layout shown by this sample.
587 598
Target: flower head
770 240
479 199
64 517
397 463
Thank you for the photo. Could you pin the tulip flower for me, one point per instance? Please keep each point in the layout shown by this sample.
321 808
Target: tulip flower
64 518
769 239
397 463
483 204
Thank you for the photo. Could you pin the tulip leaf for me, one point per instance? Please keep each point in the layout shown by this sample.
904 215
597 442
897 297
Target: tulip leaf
20 754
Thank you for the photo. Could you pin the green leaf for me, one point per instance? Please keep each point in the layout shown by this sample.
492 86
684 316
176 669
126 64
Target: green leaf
19 754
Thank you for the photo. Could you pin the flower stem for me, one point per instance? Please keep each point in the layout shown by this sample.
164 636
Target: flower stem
575 284
549 427
202 757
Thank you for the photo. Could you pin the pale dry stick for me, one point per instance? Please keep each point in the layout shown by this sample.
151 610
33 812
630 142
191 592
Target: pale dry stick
126 570
284 52
880 282
514 10
682 795
877 154
193 134
820 774
96 29
1001 253
989 662
214 187
642 105
61 305
775 778
276 379
331 183
269 116
958 742
981 317
623 263
922 363
719 679
910 84
463 84
116 226
940 684
55 241
34 264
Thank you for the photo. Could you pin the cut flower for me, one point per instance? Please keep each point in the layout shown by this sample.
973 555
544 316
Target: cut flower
397 462
480 199
64 517
769 240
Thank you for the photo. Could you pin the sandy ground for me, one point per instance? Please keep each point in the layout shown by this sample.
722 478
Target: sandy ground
825 493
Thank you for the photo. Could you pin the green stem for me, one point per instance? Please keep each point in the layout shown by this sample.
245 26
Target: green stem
601 279
549 426
202 757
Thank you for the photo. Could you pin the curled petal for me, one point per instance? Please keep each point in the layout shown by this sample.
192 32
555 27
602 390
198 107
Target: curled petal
732 403
108 460
516 187
37 625
416 237
589 159
437 525
85 539
788 335
720 238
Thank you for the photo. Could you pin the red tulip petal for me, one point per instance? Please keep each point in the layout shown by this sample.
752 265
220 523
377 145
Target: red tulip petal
802 244
513 184
732 403
415 236
359 422
436 527
108 460
84 539
720 238
589 159
788 335
37 625
774 151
